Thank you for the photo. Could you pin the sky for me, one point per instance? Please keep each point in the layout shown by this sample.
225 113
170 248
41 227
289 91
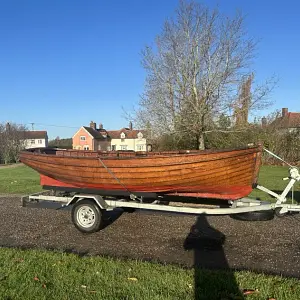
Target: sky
64 63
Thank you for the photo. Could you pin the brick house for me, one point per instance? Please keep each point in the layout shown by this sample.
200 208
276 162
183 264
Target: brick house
288 121
93 138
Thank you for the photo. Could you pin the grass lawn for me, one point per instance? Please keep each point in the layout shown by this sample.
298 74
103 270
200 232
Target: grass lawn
37 274
271 178
19 180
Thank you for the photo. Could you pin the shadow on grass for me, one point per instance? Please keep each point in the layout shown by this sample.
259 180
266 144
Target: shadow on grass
207 244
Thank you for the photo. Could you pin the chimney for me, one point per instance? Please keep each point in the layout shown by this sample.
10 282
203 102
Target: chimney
7 126
100 126
93 125
130 125
284 112
264 122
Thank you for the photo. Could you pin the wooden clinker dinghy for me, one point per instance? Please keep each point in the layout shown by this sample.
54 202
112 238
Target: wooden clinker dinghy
226 174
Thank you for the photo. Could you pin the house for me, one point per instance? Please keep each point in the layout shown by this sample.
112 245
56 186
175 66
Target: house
93 138
35 139
287 122
128 139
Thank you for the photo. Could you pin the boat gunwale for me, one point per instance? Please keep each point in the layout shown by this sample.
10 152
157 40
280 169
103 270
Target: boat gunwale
135 166
256 149
190 176
115 168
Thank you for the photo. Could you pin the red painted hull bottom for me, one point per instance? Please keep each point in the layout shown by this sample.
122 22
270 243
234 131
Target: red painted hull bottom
213 192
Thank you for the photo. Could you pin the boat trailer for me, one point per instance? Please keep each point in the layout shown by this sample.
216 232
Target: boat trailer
87 209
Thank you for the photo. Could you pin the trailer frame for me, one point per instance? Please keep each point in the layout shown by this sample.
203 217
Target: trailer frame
88 207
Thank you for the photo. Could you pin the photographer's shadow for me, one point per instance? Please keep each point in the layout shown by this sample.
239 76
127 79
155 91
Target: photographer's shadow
207 244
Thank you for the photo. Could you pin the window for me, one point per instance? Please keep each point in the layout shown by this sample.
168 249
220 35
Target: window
32 141
113 147
99 147
122 135
40 141
82 138
140 147
123 147
140 135
86 148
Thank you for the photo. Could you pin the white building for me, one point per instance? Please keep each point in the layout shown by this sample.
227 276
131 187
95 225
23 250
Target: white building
35 139
127 139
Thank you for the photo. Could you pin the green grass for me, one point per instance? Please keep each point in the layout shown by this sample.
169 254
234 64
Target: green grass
37 274
19 180
271 178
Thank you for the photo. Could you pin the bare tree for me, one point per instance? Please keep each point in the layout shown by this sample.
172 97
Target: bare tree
12 138
194 73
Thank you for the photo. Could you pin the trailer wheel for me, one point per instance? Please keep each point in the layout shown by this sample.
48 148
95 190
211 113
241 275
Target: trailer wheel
262 215
87 216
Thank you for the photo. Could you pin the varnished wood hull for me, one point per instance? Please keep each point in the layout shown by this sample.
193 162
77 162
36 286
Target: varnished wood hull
209 174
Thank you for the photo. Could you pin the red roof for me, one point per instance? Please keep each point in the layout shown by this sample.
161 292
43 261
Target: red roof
129 134
290 120
102 134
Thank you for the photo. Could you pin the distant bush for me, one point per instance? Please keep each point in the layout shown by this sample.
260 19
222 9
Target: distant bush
283 143
61 143
12 138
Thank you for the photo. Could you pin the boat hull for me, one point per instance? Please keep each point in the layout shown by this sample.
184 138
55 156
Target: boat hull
228 175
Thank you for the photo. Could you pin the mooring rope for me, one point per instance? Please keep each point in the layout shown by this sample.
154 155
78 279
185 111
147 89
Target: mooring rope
276 156
132 196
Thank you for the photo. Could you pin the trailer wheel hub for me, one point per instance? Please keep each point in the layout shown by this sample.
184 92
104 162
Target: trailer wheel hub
86 216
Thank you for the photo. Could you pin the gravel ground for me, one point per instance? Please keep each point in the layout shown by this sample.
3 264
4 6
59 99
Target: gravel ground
213 242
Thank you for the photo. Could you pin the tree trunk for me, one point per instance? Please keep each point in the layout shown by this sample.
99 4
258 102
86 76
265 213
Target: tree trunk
201 145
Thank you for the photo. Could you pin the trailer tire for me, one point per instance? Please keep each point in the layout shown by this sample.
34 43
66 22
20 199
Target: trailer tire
262 215
87 216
